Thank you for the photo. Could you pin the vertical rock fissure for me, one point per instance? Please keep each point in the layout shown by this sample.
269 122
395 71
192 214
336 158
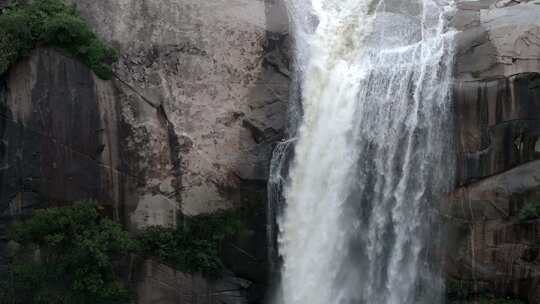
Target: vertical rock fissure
174 152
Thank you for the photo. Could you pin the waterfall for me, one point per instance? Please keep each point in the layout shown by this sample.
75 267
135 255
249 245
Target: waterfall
276 182
373 157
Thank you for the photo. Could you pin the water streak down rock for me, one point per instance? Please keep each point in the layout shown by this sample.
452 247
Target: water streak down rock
497 99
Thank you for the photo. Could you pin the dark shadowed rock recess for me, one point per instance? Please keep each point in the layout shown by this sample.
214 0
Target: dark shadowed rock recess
186 127
497 100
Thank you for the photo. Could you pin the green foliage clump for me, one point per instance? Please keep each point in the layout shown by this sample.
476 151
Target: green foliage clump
193 246
68 257
530 211
462 291
23 26
459 289
507 300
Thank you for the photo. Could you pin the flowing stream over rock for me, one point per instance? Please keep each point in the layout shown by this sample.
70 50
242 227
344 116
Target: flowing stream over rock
373 154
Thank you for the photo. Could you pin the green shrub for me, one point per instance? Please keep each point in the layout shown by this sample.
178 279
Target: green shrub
68 256
193 246
459 289
51 23
530 211
508 300
462 291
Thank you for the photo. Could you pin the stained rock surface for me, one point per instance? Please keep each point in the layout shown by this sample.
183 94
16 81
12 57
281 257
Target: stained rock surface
497 103
186 126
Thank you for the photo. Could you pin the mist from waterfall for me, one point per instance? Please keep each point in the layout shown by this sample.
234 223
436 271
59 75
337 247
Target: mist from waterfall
373 154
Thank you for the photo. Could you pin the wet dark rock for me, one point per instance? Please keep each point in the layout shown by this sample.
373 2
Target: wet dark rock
498 124
163 138
497 104
158 283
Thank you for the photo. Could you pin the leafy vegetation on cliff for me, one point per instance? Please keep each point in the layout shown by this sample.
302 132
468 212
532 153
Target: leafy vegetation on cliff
193 246
24 25
530 211
72 255
461 292
486 300
68 255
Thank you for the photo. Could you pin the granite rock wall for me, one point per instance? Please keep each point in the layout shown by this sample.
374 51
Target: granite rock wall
186 126
497 118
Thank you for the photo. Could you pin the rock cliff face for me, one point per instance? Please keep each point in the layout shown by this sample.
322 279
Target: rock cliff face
59 137
186 126
199 100
497 98
203 86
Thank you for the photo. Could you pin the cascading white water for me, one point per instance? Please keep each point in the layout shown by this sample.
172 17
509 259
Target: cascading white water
372 158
